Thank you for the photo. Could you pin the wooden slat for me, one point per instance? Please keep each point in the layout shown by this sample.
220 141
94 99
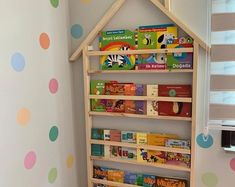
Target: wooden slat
112 114
223 22
147 147
110 183
222 112
88 118
194 114
222 83
142 51
183 26
221 53
168 4
101 24
142 98
134 162
139 71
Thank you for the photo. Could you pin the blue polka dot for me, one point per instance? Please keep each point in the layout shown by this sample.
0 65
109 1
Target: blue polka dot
18 62
77 31
204 142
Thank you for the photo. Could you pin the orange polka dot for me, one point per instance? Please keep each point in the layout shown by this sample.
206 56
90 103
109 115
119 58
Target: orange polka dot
23 116
44 41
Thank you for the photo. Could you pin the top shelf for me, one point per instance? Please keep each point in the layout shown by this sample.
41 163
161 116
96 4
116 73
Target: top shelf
143 51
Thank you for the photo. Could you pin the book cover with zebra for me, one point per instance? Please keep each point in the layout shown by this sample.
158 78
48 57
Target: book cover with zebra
116 40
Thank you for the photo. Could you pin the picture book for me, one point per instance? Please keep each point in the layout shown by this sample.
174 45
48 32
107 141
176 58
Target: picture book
115 106
170 182
142 155
175 143
97 134
178 159
107 151
139 179
129 153
130 178
115 135
175 90
140 106
116 176
149 180
152 106
180 60
130 104
174 109
165 37
100 172
97 150
106 134
141 138
114 88
128 136
157 156
159 139
98 88
115 151
116 40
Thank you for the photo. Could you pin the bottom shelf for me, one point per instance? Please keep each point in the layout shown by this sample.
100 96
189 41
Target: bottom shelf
163 166
105 182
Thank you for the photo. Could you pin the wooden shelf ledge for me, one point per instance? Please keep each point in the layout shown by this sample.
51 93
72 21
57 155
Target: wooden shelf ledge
117 184
140 71
143 51
113 114
142 98
147 147
134 162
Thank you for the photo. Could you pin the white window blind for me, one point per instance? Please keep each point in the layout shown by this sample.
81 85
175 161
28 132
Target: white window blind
222 66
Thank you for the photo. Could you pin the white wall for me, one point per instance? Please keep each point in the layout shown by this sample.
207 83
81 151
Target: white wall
213 164
24 83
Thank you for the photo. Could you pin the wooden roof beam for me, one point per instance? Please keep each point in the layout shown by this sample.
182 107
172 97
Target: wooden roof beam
100 25
159 5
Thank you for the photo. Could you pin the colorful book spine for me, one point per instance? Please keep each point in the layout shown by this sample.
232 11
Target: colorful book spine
128 136
140 106
149 180
106 134
141 138
170 182
142 155
116 176
175 143
115 135
152 106
130 178
157 157
97 134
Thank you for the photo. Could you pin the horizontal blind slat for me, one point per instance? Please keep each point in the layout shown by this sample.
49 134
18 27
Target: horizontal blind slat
222 83
220 53
222 112
223 22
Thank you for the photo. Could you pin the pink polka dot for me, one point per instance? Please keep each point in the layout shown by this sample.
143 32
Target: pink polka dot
53 86
232 164
30 160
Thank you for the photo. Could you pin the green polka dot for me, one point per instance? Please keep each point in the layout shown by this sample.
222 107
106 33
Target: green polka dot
55 3
210 179
53 134
52 175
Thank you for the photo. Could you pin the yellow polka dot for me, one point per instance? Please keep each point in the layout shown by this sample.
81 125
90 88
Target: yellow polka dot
70 161
86 1
23 116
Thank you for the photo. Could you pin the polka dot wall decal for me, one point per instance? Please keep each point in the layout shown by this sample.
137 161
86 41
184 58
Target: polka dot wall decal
86 1
204 142
76 31
53 134
44 40
232 164
209 179
70 161
23 116
30 160
54 3
53 86
52 175
18 62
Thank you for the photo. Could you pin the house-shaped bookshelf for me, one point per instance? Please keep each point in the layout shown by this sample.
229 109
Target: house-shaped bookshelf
85 50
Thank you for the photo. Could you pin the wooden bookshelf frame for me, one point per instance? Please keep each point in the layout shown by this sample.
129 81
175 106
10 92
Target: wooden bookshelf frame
87 73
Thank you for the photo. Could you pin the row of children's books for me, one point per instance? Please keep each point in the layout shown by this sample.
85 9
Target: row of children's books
141 154
150 108
145 180
145 37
